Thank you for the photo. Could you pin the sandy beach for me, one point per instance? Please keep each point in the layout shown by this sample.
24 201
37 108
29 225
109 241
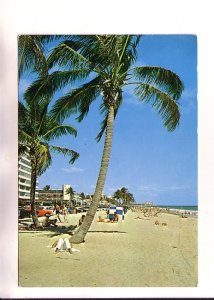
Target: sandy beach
131 253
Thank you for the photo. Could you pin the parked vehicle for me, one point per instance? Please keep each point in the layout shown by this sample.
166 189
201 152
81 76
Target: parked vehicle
70 210
85 209
49 208
23 213
42 211
82 209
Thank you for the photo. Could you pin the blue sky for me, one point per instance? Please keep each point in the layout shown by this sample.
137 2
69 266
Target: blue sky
155 165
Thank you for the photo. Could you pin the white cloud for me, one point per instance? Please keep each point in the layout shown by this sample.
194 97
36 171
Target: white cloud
72 170
148 189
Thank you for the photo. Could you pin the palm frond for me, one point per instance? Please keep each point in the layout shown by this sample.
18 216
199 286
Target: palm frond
58 131
30 54
98 49
161 78
126 50
43 158
47 86
22 149
24 136
162 102
65 151
66 54
78 100
24 116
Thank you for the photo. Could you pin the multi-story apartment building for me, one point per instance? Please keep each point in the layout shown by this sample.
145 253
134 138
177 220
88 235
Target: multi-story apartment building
54 195
24 179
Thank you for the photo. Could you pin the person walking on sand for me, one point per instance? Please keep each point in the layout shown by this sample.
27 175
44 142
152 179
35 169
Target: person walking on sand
65 213
57 210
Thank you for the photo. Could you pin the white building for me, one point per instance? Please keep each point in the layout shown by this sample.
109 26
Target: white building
66 195
24 179
54 195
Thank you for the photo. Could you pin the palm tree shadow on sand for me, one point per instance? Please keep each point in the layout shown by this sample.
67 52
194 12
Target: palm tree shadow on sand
70 230
106 231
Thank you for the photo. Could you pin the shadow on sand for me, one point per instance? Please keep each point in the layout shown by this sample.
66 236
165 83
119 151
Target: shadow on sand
106 231
50 231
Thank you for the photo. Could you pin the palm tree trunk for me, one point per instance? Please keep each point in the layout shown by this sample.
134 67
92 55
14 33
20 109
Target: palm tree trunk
80 234
33 192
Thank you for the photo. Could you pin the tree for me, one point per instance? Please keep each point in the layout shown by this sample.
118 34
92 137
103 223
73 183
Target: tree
82 195
47 188
36 130
31 53
71 192
124 196
109 60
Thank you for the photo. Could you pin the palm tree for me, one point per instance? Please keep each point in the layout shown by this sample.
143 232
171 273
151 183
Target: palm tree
36 130
123 195
71 192
109 61
31 53
47 187
117 195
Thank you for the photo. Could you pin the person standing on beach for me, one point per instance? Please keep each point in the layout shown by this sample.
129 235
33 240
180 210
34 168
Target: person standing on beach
81 220
57 210
65 213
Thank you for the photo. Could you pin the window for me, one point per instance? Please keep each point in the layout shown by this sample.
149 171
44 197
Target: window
24 174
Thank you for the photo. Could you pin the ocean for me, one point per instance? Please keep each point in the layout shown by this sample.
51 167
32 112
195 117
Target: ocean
185 207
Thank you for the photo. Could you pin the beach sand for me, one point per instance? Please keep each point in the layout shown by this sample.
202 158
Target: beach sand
131 253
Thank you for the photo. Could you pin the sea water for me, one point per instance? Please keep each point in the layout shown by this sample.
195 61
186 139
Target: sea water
180 207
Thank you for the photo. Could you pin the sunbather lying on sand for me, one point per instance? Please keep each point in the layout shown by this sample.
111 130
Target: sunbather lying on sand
115 219
64 245
103 220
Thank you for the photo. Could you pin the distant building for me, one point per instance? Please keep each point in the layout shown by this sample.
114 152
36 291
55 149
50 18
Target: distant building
148 203
24 179
54 195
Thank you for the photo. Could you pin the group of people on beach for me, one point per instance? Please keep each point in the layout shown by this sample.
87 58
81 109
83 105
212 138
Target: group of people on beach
47 222
64 210
113 219
147 211
65 244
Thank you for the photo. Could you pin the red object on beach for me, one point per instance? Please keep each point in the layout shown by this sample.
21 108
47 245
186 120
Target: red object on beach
41 211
